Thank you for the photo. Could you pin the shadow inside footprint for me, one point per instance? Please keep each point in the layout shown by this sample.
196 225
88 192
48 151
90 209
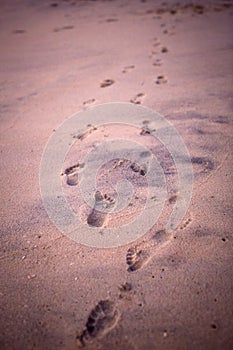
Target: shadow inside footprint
96 218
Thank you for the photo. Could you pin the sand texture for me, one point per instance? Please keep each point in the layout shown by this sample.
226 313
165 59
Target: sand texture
165 290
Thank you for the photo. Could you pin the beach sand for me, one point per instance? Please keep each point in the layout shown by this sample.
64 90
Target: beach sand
164 290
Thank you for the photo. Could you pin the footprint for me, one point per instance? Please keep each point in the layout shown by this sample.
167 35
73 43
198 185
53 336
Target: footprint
164 49
173 199
102 319
110 20
173 11
98 217
145 130
156 44
198 9
157 62
106 83
153 53
127 69
63 28
88 102
72 174
19 31
136 259
161 236
205 163
161 79
126 287
137 169
125 291
150 11
83 135
137 99
222 120
160 11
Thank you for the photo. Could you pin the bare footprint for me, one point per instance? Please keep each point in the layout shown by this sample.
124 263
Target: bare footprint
126 287
137 99
127 69
102 319
19 31
72 174
157 62
164 49
161 79
137 169
88 102
204 163
110 20
68 27
98 217
172 199
161 237
83 135
156 44
137 257
153 54
106 83
145 130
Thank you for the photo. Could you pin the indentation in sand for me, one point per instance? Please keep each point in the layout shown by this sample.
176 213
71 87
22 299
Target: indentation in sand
138 98
101 320
139 256
106 83
98 217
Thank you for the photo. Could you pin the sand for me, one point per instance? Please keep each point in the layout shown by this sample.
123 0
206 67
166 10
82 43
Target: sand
164 290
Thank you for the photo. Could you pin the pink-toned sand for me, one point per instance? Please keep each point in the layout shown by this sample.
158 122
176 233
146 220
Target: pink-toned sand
177 59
